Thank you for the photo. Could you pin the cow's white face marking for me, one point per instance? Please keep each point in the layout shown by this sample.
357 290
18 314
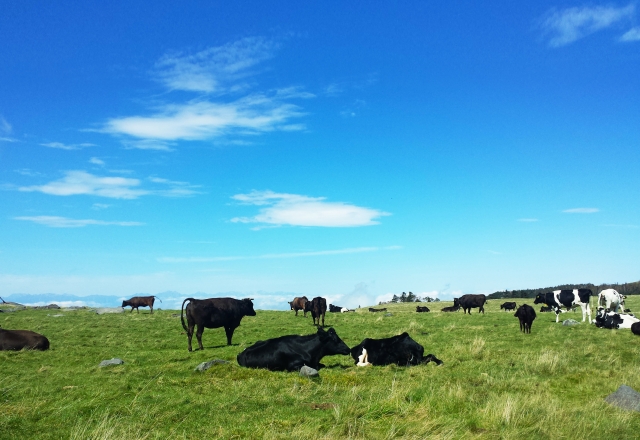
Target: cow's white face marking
363 359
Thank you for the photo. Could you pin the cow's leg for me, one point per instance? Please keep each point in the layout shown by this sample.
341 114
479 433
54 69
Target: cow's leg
151 307
296 312
322 320
190 334
229 331
558 311
199 332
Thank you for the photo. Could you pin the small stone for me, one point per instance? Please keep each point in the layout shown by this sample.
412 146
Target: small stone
206 365
308 371
388 314
570 322
114 361
625 397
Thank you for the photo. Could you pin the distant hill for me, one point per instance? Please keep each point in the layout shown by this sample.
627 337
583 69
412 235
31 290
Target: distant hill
625 289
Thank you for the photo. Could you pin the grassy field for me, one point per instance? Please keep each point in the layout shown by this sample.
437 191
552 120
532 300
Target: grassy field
495 382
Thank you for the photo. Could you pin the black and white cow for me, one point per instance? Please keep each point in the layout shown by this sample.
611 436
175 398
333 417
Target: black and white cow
508 306
292 352
400 350
566 298
610 299
612 320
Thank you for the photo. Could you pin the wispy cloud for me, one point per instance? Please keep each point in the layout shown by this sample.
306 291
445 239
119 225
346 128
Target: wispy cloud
61 146
5 127
632 34
206 120
98 206
581 211
84 183
528 220
569 25
148 144
28 172
276 256
64 222
8 139
299 210
96 161
215 69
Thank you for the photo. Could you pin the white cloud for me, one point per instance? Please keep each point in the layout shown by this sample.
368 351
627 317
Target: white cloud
215 69
569 25
63 222
299 210
631 35
96 161
148 144
5 127
6 139
28 172
206 120
581 210
61 146
98 206
81 182
276 256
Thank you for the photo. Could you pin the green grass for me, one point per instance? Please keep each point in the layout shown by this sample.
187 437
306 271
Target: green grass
495 382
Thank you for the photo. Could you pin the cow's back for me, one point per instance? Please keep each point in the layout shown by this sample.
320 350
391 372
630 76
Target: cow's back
19 339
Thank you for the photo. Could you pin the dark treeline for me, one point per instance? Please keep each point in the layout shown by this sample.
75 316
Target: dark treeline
625 289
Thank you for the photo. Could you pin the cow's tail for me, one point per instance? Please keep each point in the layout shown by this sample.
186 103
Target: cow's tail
184 326
157 298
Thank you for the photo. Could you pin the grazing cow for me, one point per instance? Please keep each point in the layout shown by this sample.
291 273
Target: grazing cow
298 303
292 352
508 306
612 320
214 313
400 350
140 301
335 309
526 315
19 339
422 309
468 302
318 307
610 299
566 298
635 328
450 309
545 309
371 309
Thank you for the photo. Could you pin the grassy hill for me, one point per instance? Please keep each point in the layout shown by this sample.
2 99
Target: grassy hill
495 382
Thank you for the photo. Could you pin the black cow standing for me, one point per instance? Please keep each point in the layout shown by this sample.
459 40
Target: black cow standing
566 298
318 307
526 315
292 352
400 350
508 306
140 301
468 302
215 313
298 303
19 339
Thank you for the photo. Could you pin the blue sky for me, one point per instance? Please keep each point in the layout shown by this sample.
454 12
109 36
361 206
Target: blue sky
274 149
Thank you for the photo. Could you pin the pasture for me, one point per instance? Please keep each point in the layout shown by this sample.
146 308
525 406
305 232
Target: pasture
496 382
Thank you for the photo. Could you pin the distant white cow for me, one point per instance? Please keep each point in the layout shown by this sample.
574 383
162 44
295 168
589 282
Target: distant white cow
611 299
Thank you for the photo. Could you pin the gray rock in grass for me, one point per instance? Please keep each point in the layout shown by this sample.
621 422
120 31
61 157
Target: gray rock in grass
55 316
625 397
103 310
114 361
308 371
388 314
570 322
206 365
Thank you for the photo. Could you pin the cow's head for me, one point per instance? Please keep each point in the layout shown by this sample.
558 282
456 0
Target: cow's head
332 342
247 309
291 304
456 302
125 304
540 298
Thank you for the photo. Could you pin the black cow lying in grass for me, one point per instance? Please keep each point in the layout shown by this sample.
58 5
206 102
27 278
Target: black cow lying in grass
371 309
526 315
292 352
545 309
19 339
611 320
422 309
400 350
450 309
635 328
